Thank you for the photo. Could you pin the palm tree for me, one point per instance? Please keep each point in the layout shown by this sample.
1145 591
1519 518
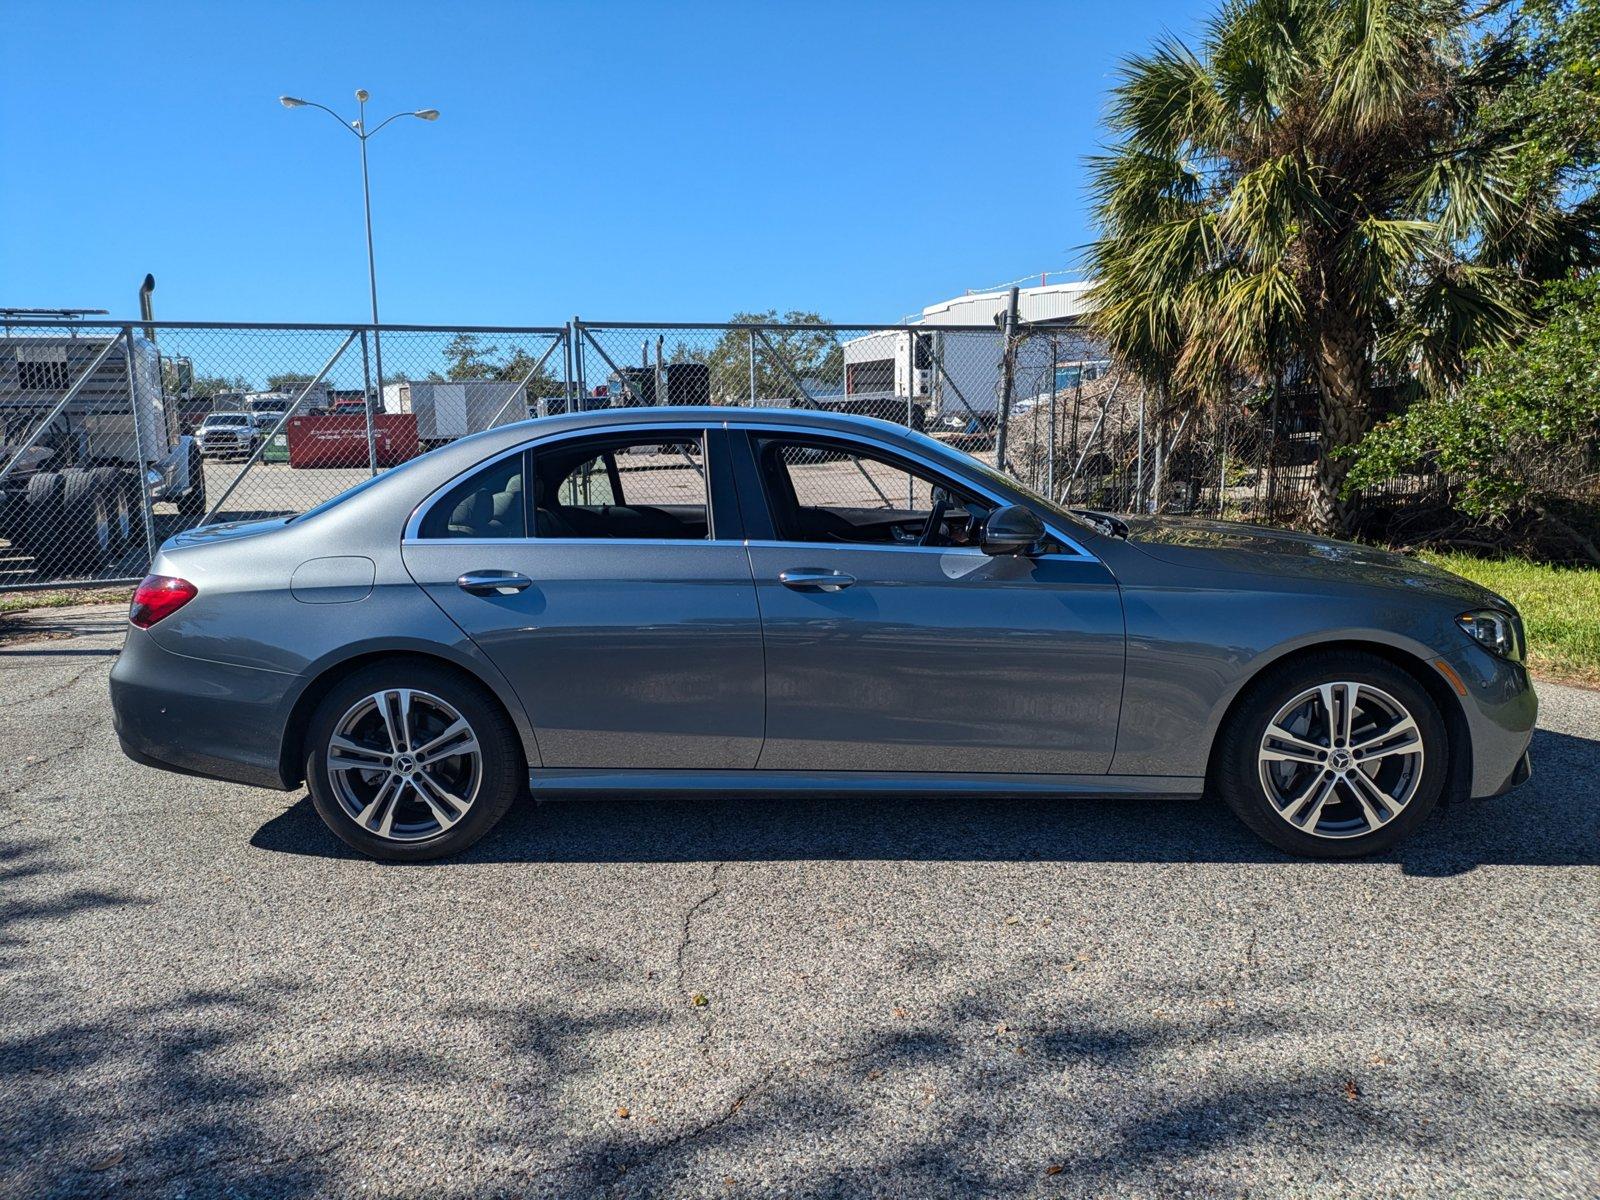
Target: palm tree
1319 187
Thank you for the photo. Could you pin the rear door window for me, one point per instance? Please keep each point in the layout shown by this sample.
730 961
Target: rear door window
649 484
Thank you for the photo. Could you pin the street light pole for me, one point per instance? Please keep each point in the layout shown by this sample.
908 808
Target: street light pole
372 262
359 128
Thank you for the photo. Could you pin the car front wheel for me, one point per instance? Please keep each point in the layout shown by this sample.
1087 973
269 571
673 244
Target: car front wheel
1336 755
411 762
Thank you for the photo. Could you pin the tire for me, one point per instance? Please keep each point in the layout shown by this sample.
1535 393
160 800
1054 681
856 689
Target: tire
43 522
86 539
437 696
192 504
1276 786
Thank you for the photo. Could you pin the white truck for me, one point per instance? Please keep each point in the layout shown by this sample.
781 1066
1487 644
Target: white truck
74 477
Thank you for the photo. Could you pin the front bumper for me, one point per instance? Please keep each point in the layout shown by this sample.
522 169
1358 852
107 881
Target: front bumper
198 717
1501 708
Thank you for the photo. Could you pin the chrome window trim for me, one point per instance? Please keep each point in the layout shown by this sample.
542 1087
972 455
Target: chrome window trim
410 535
1077 550
547 541
973 551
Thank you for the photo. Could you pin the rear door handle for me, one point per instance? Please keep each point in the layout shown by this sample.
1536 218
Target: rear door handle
810 579
493 583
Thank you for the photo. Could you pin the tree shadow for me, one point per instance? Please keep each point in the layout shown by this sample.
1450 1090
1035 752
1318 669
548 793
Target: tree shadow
995 1080
1550 821
65 1130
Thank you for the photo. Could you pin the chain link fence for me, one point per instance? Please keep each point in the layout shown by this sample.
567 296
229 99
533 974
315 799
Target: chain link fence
115 436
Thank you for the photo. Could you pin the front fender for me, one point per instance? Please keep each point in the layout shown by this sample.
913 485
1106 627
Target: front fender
1191 652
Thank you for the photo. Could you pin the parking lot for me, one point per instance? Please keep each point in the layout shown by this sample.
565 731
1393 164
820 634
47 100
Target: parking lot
207 994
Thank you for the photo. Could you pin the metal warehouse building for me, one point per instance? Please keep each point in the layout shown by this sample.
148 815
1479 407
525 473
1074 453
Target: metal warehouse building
954 368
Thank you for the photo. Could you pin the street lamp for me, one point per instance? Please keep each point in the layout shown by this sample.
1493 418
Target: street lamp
359 128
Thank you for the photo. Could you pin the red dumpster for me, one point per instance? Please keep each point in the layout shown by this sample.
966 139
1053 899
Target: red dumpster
341 441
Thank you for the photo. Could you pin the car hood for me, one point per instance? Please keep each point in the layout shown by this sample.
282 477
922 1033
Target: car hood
1256 550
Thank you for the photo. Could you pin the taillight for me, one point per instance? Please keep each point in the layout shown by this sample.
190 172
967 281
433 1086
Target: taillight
159 596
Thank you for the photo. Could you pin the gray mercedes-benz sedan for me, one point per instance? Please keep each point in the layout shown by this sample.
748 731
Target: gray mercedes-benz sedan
766 601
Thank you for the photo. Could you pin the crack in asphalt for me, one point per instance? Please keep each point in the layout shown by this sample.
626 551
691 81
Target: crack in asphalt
689 915
65 685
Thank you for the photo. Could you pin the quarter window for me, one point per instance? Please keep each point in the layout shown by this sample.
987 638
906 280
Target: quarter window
486 504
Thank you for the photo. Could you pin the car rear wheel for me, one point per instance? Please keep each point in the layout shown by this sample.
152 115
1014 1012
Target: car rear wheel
410 762
1337 755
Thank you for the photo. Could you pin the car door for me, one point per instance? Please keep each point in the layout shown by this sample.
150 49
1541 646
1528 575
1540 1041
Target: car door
604 574
886 654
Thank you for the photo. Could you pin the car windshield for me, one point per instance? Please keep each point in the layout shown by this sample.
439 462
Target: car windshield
216 419
1016 485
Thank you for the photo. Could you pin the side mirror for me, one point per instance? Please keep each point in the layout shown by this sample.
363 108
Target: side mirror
1010 530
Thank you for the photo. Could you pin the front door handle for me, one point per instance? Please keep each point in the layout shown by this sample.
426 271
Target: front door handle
811 579
493 583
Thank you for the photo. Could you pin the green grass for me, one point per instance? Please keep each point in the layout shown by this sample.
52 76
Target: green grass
15 602
1559 605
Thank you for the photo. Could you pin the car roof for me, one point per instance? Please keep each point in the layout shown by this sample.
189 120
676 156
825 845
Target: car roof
704 414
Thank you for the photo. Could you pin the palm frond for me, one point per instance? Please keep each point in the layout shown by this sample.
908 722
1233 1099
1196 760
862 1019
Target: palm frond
1165 100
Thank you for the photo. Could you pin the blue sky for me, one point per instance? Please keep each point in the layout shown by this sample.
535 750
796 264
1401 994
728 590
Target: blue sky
619 161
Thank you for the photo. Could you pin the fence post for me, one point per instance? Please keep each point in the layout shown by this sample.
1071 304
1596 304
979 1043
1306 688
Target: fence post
911 406
661 370
1272 450
1050 459
145 502
578 380
1222 466
567 368
368 400
1008 367
751 337
1138 470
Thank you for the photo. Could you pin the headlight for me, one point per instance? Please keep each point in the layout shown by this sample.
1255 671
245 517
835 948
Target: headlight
1497 632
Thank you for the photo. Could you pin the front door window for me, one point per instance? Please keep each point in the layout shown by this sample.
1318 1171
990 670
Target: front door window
825 491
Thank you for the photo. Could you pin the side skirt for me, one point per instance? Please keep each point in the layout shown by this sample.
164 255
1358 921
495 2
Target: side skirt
549 782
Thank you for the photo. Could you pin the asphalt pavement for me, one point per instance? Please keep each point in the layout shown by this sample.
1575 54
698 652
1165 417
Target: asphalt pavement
205 994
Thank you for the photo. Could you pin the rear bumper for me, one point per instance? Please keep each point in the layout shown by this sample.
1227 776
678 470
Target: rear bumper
198 717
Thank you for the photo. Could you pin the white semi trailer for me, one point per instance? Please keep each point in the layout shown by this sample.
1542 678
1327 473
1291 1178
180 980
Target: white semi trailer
450 409
74 476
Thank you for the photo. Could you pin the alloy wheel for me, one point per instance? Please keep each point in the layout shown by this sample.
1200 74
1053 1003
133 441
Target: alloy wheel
405 765
1341 760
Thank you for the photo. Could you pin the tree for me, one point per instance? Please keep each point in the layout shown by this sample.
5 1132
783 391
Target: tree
467 358
1520 436
813 357
288 381
1328 186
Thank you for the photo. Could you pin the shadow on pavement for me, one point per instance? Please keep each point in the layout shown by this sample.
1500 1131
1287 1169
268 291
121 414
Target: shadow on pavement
1550 821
